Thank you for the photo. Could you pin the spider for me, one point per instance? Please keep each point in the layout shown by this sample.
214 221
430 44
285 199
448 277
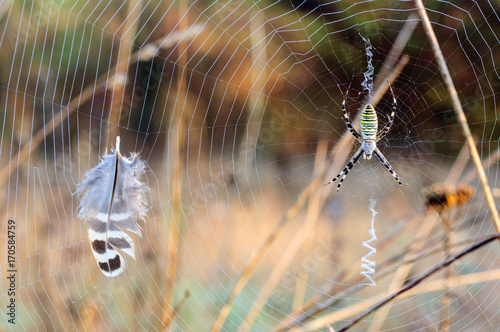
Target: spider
368 138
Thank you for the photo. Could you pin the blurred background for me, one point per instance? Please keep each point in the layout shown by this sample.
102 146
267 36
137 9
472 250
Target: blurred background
235 108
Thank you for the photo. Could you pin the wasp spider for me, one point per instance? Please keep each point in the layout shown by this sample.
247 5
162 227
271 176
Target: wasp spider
368 138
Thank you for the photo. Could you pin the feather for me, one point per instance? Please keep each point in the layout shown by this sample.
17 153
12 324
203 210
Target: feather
112 200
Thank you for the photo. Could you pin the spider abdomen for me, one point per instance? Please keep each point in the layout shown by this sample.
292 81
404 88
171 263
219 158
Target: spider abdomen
369 124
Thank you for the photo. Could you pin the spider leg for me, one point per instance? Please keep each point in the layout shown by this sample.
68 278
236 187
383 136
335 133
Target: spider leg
384 131
347 168
386 164
347 120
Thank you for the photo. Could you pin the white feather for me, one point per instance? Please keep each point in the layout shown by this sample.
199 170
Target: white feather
112 199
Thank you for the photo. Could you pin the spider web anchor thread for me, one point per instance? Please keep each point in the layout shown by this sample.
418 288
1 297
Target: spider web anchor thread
368 266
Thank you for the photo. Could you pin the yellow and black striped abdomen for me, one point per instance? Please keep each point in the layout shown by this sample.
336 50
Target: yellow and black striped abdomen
369 124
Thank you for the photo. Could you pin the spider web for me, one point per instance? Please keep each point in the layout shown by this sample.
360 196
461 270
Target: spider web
235 108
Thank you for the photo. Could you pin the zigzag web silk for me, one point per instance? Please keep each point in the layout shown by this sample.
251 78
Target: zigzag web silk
368 266
368 81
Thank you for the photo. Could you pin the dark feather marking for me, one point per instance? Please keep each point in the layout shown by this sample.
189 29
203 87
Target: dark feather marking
112 265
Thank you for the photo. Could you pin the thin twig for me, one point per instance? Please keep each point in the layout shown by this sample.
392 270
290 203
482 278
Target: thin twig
308 311
430 286
181 302
417 281
446 298
460 113
177 308
404 269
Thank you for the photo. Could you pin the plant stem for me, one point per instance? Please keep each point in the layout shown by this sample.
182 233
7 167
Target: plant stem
460 112
417 281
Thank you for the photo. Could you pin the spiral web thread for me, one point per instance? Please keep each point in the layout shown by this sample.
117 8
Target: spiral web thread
228 102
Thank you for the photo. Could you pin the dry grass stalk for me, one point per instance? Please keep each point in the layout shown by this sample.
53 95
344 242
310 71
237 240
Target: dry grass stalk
403 271
47 129
458 167
166 321
442 199
492 159
430 286
258 255
90 317
315 306
307 228
417 281
466 279
383 299
416 246
459 112
176 147
105 81
303 274
446 298
393 58
256 96
126 36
